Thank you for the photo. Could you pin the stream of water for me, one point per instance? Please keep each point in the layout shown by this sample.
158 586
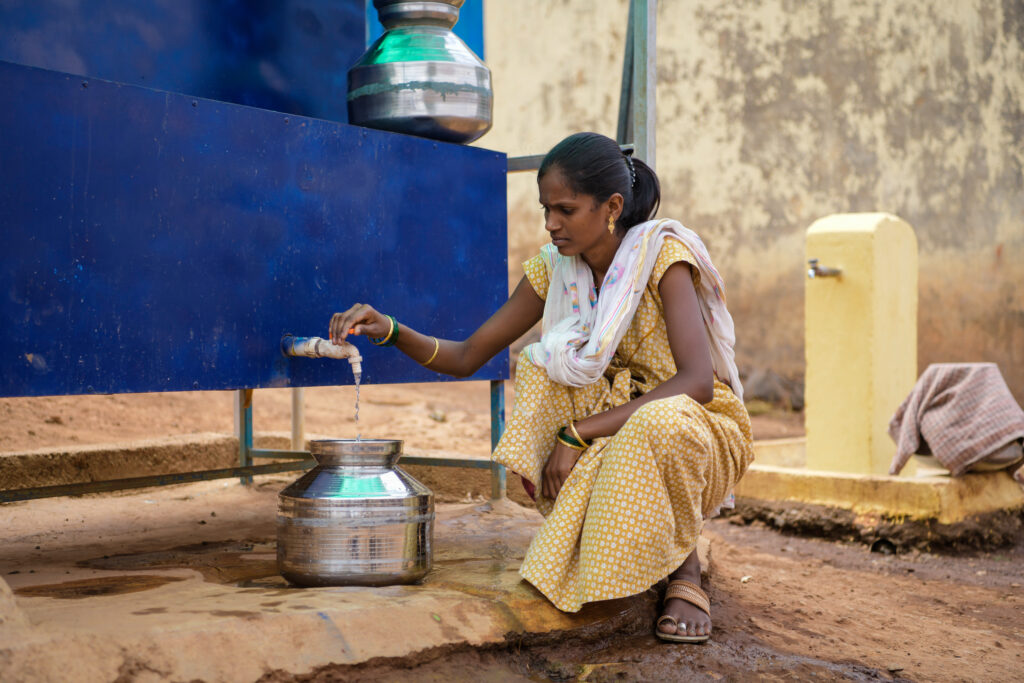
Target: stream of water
359 436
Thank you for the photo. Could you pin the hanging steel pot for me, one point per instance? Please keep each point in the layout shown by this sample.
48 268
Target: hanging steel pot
419 77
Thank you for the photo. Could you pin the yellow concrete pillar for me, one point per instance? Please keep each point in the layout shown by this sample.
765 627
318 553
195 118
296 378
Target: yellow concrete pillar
861 338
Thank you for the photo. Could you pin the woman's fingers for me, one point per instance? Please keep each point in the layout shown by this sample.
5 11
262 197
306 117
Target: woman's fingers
360 319
554 485
557 470
340 323
337 331
549 484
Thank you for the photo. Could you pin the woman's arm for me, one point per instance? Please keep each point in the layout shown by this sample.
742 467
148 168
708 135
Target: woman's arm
689 343
458 358
694 374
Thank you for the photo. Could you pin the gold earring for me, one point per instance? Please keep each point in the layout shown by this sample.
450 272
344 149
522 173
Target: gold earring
611 224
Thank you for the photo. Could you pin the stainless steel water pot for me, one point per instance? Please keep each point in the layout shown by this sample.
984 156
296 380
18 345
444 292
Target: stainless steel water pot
356 519
419 77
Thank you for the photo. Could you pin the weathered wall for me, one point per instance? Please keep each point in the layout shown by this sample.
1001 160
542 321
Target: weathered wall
773 113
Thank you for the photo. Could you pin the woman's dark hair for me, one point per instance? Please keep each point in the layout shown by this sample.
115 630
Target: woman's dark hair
593 164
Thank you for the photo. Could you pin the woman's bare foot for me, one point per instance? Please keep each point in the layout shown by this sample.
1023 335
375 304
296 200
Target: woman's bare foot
690 619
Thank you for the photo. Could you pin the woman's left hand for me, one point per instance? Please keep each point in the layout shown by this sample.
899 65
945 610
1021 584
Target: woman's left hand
557 469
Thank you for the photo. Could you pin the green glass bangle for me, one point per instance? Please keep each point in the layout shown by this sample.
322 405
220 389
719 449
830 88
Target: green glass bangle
570 433
569 440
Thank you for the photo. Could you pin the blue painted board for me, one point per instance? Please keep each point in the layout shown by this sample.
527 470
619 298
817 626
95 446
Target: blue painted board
286 55
158 242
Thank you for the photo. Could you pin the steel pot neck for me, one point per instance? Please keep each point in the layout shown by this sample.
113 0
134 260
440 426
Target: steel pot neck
382 453
395 13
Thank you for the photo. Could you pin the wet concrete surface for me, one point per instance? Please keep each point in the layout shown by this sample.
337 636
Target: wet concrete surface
181 584
104 585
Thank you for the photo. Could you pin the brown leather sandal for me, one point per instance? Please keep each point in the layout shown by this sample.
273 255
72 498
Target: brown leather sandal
691 593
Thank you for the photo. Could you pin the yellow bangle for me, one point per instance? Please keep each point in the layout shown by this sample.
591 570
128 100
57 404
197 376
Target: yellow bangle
572 428
437 347
383 341
570 445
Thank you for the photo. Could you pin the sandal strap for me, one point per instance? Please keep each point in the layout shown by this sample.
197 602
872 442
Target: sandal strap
690 592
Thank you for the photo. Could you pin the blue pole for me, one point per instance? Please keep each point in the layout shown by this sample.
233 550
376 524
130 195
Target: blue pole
497 428
243 404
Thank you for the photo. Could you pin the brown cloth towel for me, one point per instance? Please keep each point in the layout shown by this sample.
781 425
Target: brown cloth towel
960 413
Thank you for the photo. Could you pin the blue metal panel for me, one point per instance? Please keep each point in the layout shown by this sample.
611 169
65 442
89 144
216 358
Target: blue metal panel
159 242
285 55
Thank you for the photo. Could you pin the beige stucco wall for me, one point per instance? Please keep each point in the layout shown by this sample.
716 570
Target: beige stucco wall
774 113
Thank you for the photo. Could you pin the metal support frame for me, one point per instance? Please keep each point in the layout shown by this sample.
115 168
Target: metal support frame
288 460
497 429
637 102
243 422
303 460
643 20
298 418
245 473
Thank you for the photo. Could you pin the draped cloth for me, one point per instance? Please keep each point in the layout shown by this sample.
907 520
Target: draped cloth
580 334
962 413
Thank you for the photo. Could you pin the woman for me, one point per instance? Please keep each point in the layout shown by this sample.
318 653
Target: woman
628 416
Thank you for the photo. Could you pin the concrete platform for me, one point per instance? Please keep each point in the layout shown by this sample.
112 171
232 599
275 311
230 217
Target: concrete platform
947 500
779 475
180 583
927 510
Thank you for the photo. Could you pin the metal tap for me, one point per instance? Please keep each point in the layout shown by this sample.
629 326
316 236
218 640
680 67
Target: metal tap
821 271
318 347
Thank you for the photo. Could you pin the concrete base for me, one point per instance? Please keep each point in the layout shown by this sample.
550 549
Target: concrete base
947 500
180 583
778 475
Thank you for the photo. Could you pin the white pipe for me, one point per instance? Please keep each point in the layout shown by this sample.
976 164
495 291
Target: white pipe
317 347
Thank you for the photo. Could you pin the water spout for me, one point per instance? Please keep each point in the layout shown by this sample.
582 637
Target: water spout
318 347
816 271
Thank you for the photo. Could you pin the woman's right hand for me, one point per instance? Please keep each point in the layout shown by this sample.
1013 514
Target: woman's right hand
361 319
557 469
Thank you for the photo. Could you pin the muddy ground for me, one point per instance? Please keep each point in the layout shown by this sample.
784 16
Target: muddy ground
785 607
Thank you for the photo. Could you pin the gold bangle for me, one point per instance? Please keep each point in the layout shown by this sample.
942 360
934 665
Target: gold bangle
570 445
382 341
437 347
572 428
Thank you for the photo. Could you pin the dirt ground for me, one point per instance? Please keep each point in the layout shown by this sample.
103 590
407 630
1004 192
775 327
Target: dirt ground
452 416
784 607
